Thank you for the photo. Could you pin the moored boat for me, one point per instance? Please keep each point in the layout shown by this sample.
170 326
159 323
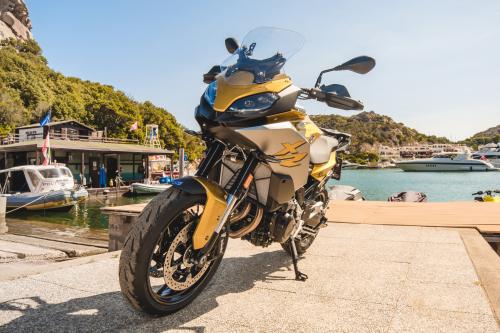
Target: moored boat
455 161
151 189
490 153
35 187
346 165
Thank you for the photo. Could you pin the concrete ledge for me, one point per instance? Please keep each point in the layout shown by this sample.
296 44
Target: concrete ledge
29 269
487 265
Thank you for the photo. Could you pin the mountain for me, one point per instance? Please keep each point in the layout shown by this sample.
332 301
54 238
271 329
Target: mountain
369 130
490 135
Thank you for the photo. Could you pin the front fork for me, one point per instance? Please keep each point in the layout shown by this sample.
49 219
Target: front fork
242 182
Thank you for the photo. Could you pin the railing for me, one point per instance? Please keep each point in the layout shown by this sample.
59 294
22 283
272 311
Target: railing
16 138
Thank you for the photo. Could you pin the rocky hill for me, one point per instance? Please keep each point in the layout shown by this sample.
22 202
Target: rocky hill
14 20
490 135
369 130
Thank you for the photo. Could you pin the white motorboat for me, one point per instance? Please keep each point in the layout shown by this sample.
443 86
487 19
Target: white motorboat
489 152
151 189
457 161
346 165
37 187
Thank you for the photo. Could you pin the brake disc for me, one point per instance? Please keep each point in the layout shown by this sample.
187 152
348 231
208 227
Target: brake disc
179 273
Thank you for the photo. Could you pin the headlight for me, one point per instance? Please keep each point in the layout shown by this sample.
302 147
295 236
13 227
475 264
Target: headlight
258 102
210 93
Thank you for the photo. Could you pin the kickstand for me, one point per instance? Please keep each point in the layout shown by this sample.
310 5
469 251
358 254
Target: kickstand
299 276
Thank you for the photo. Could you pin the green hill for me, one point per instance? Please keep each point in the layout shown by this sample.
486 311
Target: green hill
490 135
29 88
369 130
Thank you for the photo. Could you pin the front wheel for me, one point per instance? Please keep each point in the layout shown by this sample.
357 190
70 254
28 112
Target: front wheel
156 273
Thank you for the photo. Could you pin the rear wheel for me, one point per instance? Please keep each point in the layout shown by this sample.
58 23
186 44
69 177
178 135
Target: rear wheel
156 273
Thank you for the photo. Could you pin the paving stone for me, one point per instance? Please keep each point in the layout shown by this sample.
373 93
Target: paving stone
442 274
415 320
439 235
452 297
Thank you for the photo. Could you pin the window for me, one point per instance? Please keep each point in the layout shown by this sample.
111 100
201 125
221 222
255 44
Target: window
18 182
34 178
66 172
50 173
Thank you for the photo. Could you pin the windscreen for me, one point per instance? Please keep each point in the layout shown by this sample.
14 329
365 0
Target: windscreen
262 53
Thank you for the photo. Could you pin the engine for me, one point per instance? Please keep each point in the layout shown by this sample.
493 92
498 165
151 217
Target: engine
281 225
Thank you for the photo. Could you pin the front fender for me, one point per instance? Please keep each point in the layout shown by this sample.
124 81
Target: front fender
214 206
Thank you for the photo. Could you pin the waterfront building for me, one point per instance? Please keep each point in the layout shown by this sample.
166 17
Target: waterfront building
387 153
84 150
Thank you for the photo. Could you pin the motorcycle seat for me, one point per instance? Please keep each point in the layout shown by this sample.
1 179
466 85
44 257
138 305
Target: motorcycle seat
322 148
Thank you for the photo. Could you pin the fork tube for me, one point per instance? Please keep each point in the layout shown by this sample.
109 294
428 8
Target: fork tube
214 152
232 198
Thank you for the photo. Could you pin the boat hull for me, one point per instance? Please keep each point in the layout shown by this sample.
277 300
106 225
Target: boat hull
439 166
53 200
147 189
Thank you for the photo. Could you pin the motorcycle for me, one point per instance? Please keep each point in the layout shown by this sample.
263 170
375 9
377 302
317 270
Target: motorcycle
262 178
487 196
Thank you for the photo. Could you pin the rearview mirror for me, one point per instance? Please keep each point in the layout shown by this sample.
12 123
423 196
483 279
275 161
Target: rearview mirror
231 45
360 65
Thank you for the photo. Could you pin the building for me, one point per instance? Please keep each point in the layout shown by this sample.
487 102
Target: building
84 150
417 151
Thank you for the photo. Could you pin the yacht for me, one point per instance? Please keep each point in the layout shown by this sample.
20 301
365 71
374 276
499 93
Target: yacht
489 152
37 187
346 165
457 161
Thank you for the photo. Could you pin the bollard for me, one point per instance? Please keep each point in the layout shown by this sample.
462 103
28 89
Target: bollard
3 208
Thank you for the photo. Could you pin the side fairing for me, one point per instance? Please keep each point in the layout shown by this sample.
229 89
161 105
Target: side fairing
283 142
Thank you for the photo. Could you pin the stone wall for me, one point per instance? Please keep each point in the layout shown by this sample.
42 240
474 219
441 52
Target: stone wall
14 20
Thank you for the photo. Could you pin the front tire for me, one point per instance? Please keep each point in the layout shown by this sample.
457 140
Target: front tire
155 274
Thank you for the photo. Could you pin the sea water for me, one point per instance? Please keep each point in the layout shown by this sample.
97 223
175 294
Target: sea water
379 184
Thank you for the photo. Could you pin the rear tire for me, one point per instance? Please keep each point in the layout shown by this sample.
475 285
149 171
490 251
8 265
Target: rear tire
150 238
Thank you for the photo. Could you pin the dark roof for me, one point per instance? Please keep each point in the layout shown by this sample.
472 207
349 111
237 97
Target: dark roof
54 123
105 147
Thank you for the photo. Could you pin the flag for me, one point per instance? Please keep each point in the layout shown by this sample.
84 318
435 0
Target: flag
45 120
46 150
134 126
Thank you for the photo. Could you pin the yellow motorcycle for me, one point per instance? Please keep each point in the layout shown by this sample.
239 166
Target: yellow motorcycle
487 196
262 179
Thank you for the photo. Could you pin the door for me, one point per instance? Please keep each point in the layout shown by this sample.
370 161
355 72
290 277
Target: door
111 167
94 171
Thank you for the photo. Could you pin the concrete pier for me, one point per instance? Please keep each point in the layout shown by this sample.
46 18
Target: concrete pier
3 209
362 278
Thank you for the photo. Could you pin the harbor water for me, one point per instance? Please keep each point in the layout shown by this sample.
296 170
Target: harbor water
379 184
375 184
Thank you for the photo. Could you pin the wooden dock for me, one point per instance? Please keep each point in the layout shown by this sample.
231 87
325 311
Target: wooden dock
483 216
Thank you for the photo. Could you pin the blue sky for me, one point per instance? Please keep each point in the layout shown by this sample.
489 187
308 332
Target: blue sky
437 71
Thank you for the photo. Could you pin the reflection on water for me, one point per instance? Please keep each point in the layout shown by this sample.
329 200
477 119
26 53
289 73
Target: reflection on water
86 214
